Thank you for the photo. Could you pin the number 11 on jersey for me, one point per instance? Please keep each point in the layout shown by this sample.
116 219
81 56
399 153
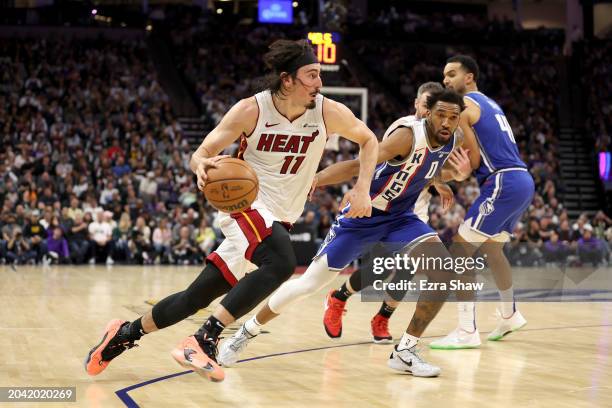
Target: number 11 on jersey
296 166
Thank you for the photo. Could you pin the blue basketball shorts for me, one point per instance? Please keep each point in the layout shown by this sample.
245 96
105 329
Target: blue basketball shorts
349 238
504 198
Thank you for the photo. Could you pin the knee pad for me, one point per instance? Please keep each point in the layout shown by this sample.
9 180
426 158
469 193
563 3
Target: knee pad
276 254
193 299
208 286
283 266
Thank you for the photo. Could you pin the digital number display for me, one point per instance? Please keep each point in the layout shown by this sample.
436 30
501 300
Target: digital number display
326 44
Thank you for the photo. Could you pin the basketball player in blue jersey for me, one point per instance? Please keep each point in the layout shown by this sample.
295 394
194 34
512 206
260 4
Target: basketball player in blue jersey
336 299
409 158
506 191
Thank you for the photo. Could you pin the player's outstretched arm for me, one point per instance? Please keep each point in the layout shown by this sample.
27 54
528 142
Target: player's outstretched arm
337 173
339 119
241 119
397 146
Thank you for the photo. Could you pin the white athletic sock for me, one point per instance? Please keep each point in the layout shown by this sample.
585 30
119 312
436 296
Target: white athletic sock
407 341
467 316
507 302
252 326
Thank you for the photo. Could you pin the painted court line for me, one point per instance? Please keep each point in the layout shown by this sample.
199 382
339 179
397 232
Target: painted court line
129 402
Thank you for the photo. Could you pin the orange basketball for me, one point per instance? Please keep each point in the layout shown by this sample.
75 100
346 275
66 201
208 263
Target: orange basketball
232 186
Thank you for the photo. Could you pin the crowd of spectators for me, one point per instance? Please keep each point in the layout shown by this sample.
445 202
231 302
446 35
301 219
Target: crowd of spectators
94 167
441 25
597 63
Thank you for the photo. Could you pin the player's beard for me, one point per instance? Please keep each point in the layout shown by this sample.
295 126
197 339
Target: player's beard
441 141
460 89
312 104
435 136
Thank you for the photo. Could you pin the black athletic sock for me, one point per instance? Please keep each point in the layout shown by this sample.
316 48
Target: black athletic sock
343 293
135 330
386 310
211 329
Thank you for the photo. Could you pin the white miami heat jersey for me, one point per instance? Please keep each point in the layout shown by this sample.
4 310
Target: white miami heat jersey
285 155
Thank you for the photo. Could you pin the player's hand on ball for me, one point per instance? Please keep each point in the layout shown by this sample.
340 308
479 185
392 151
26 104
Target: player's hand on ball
460 161
446 195
204 166
361 204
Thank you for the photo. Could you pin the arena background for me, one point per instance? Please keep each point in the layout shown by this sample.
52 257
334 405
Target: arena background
103 102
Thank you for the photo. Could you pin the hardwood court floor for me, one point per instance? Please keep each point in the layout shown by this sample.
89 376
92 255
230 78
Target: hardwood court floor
49 318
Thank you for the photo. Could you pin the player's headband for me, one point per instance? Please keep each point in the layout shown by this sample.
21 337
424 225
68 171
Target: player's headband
307 58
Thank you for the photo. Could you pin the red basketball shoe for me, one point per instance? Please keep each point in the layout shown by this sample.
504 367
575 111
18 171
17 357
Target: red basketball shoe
380 330
332 319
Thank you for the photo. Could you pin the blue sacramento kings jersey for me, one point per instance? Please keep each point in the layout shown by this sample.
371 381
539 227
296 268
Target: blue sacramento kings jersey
495 138
397 184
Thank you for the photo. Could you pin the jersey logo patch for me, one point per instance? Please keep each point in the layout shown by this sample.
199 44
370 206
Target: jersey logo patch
270 125
486 207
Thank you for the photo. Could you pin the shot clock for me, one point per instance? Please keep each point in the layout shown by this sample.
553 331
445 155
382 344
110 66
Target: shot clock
326 47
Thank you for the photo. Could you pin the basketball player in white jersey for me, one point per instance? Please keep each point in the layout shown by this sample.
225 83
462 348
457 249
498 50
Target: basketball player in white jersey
283 132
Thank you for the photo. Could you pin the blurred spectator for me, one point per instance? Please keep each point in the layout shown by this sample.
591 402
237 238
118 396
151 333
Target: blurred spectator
18 250
184 222
108 194
8 228
35 233
565 233
589 248
555 251
78 239
140 243
121 238
100 233
57 247
204 237
183 249
148 188
521 251
162 241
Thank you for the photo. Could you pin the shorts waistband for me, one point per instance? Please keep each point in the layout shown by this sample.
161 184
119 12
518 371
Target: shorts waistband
504 170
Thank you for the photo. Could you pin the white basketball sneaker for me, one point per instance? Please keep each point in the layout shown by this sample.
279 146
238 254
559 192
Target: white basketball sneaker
506 326
456 340
230 350
407 360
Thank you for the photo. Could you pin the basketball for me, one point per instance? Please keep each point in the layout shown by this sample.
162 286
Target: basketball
232 186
